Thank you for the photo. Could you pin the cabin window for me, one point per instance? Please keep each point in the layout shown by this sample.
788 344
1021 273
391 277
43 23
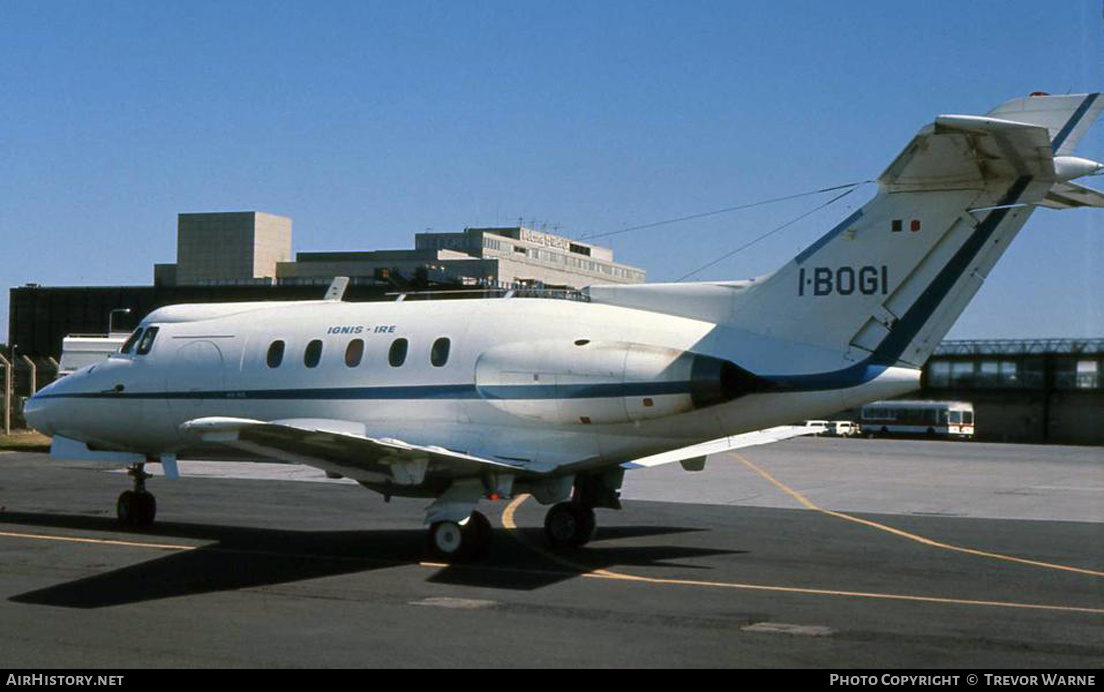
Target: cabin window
146 342
313 355
397 355
439 354
275 354
354 352
131 341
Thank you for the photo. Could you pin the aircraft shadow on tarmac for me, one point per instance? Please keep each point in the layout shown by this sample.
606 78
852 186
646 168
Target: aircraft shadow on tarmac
242 557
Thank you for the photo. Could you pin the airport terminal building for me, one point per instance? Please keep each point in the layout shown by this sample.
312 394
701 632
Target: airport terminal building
254 248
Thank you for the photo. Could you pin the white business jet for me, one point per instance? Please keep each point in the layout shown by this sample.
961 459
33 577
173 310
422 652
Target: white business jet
458 401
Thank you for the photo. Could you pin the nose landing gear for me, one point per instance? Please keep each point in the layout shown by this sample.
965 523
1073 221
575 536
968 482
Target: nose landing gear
136 508
458 542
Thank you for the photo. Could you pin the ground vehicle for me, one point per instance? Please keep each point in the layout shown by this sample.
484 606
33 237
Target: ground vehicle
929 418
843 428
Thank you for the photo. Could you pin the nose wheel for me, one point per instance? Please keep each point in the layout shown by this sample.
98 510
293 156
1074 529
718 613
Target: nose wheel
136 508
458 542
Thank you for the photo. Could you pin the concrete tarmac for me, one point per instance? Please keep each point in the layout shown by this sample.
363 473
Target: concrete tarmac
809 553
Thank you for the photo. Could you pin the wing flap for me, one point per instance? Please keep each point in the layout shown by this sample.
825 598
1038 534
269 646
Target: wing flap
341 447
694 455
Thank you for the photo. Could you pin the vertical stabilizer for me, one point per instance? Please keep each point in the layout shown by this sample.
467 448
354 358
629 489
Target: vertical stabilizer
887 283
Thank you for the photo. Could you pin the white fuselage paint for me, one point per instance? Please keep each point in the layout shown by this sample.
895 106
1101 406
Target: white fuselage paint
221 350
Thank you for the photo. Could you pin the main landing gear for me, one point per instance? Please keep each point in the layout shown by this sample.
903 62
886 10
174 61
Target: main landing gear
459 541
570 525
137 508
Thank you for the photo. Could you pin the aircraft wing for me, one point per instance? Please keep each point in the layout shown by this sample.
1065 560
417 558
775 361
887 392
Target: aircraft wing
693 457
341 447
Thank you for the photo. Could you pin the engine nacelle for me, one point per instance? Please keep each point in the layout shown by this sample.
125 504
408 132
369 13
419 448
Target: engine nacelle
586 382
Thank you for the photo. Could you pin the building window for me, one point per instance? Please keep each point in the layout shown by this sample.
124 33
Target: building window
312 356
939 373
962 373
396 356
354 352
275 354
1088 374
439 354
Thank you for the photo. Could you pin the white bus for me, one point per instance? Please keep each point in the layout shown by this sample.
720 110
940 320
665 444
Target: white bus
919 418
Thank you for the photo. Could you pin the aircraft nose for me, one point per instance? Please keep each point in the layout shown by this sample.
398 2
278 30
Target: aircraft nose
35 413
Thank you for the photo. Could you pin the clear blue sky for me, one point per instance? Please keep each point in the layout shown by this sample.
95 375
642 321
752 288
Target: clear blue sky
369 121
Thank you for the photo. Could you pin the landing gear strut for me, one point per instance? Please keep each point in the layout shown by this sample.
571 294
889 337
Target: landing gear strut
137 508
457 542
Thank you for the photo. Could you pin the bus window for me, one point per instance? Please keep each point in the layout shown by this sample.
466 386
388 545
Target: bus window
146 343
354 352
275 354
312 356
439 354
131 341
397 355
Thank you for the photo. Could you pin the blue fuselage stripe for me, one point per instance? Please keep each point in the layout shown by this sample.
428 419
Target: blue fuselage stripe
408 392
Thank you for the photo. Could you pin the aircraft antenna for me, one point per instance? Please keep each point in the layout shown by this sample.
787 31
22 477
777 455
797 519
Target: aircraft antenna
726 210
771 232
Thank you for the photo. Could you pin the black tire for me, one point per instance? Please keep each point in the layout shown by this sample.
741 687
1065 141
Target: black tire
136 509
125 507
478 535
147 509
568 525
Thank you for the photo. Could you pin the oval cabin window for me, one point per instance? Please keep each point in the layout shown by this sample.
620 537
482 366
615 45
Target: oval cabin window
354 352
439 354
275 354
397 355
313 355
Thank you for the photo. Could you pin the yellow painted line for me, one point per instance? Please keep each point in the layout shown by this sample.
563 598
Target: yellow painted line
587 572
99 541
808 504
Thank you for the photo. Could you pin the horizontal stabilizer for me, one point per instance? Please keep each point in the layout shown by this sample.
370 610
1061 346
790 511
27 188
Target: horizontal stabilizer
1071 195
724 444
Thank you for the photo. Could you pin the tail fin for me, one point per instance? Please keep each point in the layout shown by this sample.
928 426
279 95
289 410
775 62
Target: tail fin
1066 118
887 283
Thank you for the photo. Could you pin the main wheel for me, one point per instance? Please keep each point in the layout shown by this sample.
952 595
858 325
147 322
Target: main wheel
568 525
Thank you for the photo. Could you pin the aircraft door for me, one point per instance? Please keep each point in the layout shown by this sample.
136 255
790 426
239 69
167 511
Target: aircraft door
196 375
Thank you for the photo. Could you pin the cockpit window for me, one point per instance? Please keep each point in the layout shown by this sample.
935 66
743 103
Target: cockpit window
146 342
131 341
